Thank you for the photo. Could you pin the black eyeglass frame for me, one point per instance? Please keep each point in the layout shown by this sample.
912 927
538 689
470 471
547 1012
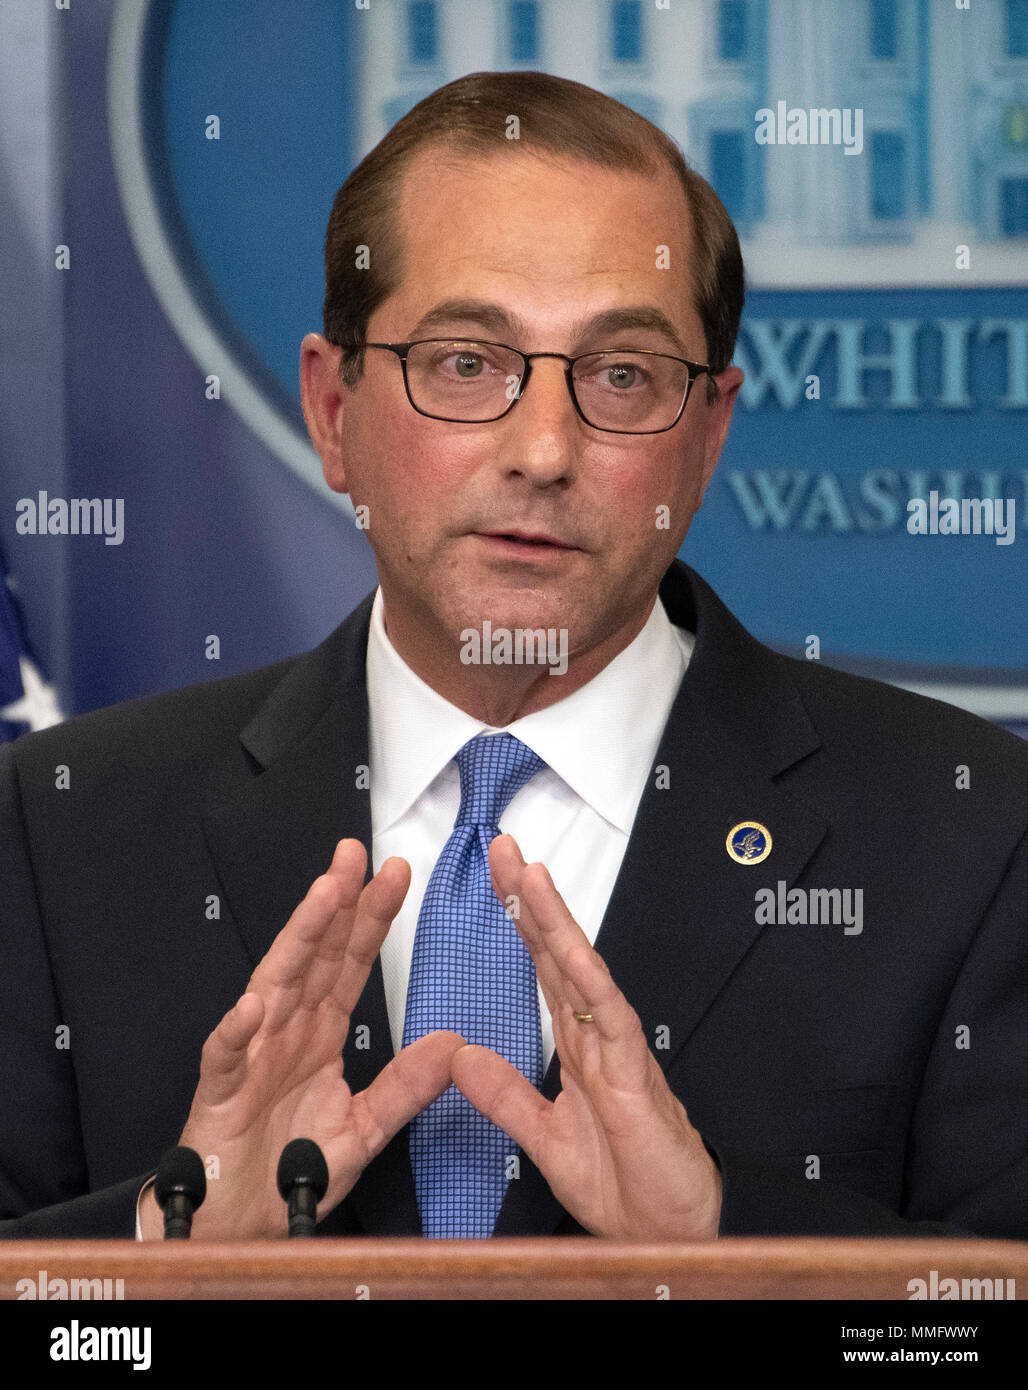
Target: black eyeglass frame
696 369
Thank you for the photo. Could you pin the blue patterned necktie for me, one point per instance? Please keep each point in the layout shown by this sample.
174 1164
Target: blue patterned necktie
471 973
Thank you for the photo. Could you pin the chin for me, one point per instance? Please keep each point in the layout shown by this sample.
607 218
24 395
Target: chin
524 608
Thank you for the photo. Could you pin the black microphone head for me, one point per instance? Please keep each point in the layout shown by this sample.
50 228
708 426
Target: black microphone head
302 1162
180 1170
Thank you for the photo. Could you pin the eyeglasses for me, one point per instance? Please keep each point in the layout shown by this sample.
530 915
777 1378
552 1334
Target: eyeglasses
622 392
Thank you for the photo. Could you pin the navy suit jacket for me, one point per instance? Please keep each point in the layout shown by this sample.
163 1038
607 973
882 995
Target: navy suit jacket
895 1058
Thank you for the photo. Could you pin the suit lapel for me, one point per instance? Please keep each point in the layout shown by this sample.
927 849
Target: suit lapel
682 913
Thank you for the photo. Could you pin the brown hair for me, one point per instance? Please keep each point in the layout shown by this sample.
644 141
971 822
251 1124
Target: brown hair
557 117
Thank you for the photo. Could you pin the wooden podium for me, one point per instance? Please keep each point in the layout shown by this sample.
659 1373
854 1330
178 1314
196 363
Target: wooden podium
521 1268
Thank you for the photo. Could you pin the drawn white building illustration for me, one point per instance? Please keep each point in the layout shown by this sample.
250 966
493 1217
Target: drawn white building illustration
942 94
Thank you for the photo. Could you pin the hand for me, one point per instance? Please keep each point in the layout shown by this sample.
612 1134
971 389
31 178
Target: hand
272 1069
616 1146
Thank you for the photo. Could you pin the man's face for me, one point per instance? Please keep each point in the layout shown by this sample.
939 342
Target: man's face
538 252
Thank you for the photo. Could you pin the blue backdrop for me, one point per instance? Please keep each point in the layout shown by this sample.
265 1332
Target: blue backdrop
878 368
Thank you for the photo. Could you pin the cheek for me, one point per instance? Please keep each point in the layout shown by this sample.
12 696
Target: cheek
635 492
382 452
678 478
436 464
410 469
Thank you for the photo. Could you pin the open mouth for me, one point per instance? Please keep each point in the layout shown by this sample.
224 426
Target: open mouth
536 542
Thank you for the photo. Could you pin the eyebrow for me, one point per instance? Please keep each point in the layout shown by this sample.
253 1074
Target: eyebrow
494 319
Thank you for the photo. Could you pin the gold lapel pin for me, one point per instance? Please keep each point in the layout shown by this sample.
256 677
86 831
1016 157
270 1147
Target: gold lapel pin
749 842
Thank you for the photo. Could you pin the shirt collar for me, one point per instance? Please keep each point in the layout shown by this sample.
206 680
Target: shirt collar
414 732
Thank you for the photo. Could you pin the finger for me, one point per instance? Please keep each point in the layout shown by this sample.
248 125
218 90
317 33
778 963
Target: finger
531 891
586 987
498 1091
377 906
507 867
557 943
612 1047
561 996
223 1058
413 1079
330 944
556 930
289 967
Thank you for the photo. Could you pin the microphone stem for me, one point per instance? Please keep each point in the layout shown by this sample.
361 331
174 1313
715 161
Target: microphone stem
303 1211
178 1217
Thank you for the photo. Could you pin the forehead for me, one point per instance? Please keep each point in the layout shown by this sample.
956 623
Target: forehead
554 239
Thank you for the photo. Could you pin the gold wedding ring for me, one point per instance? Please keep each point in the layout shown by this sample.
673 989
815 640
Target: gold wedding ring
582 1018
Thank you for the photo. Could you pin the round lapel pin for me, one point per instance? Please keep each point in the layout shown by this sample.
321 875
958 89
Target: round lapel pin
749 842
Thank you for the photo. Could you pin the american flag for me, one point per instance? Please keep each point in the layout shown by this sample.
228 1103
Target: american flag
27 702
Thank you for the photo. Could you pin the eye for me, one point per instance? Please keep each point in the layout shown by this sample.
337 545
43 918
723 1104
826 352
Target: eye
623 375
469 364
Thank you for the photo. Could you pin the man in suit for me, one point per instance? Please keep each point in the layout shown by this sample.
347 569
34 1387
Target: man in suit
511 402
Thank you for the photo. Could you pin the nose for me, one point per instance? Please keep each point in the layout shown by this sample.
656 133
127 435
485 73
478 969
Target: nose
543 430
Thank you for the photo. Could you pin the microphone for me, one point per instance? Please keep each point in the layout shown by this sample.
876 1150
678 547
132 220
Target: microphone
302 1182
180 1188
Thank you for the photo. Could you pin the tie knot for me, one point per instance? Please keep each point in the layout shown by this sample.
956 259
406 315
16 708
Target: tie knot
493 769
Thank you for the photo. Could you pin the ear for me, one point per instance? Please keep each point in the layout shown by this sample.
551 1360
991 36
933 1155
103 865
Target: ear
718 418
324 401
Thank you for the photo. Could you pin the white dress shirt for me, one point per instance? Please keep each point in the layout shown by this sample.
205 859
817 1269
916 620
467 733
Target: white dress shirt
599 746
